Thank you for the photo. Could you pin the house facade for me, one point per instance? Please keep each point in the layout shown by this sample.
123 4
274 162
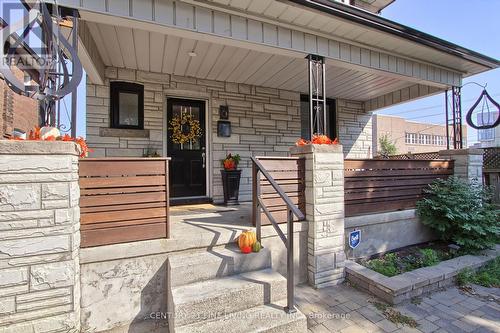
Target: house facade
98 248
410 137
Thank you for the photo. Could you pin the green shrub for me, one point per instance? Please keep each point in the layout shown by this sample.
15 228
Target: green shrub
386 265
429 257
460 213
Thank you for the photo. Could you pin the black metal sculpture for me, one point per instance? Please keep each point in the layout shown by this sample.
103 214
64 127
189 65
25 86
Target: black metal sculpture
48 76
487 117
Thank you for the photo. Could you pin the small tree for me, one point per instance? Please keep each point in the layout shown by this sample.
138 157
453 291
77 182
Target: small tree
460 212
387 147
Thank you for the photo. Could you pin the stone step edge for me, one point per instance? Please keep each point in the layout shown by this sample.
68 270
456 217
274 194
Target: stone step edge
266 310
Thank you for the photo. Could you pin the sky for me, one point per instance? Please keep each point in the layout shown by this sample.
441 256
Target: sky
471 24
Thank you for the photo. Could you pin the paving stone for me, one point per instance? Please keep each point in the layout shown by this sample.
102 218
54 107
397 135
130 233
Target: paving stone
370 314
432 318
387 326
319 329
448 311
465 326
337 324
448 326
353 329
413 311
427 326
490 312
352 305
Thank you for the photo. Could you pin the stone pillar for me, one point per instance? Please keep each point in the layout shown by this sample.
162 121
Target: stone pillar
324 212
468 163
39 237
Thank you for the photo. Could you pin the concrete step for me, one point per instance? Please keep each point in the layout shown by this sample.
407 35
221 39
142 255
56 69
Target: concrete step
187 268
216 298
269 318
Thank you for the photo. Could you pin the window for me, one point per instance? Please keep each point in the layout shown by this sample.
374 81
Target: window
305 120
411 138
127 105
486 134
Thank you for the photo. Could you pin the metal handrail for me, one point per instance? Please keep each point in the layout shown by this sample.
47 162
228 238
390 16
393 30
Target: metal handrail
287 240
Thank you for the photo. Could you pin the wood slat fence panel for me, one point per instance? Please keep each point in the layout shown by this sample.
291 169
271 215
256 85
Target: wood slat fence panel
375 186
123 200
491 171
289 173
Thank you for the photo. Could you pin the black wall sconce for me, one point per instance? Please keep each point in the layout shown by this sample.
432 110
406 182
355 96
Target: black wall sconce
224 125
224 112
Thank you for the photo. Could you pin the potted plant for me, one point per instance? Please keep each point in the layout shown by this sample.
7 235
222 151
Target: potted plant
231 179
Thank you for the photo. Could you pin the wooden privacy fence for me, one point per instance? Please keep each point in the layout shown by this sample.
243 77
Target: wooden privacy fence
289 173
491 171
373 186
123 200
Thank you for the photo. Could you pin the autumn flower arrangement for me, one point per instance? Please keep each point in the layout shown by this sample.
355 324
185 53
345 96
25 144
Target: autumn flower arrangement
231 162
317 140
185 128
53 134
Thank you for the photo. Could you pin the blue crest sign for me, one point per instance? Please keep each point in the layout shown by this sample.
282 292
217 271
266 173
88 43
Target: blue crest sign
354 238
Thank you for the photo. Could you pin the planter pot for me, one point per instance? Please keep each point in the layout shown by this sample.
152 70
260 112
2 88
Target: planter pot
231 186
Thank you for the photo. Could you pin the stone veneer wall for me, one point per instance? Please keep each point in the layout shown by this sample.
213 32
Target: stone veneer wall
265 121
355 129
39 237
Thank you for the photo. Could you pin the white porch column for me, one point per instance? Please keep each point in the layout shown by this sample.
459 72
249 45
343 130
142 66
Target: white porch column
468 163
324 212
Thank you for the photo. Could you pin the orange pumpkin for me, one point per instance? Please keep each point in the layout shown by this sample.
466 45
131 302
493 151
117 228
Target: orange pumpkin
246 239
246 250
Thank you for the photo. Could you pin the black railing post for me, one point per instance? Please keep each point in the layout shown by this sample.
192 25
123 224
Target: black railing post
258 213
290 307
292 211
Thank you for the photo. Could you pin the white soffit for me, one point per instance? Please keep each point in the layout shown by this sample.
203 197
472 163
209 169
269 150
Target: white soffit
150 51
334 27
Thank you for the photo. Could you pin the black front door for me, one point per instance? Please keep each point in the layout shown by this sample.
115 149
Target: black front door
188 164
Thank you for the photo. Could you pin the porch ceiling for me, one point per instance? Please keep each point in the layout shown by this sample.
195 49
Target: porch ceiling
289 12
151 51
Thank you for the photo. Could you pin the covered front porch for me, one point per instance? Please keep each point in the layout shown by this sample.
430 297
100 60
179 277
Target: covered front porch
264 87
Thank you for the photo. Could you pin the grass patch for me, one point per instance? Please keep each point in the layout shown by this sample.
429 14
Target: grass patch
392 264
394 315
487 276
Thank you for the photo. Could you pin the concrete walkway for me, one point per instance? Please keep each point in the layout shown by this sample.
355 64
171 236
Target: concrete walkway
347 310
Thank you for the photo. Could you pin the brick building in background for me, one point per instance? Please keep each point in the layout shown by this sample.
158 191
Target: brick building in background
410 136
16 111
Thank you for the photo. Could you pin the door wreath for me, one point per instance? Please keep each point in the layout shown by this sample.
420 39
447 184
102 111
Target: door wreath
185 128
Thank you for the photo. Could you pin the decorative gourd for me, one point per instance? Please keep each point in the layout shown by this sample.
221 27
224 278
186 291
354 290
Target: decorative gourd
247 238
47 131
246 249
256 247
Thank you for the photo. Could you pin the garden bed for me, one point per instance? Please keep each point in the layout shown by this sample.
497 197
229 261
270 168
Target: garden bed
410 258
401 287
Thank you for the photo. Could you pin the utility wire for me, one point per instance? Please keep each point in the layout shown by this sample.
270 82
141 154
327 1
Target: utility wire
432 107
